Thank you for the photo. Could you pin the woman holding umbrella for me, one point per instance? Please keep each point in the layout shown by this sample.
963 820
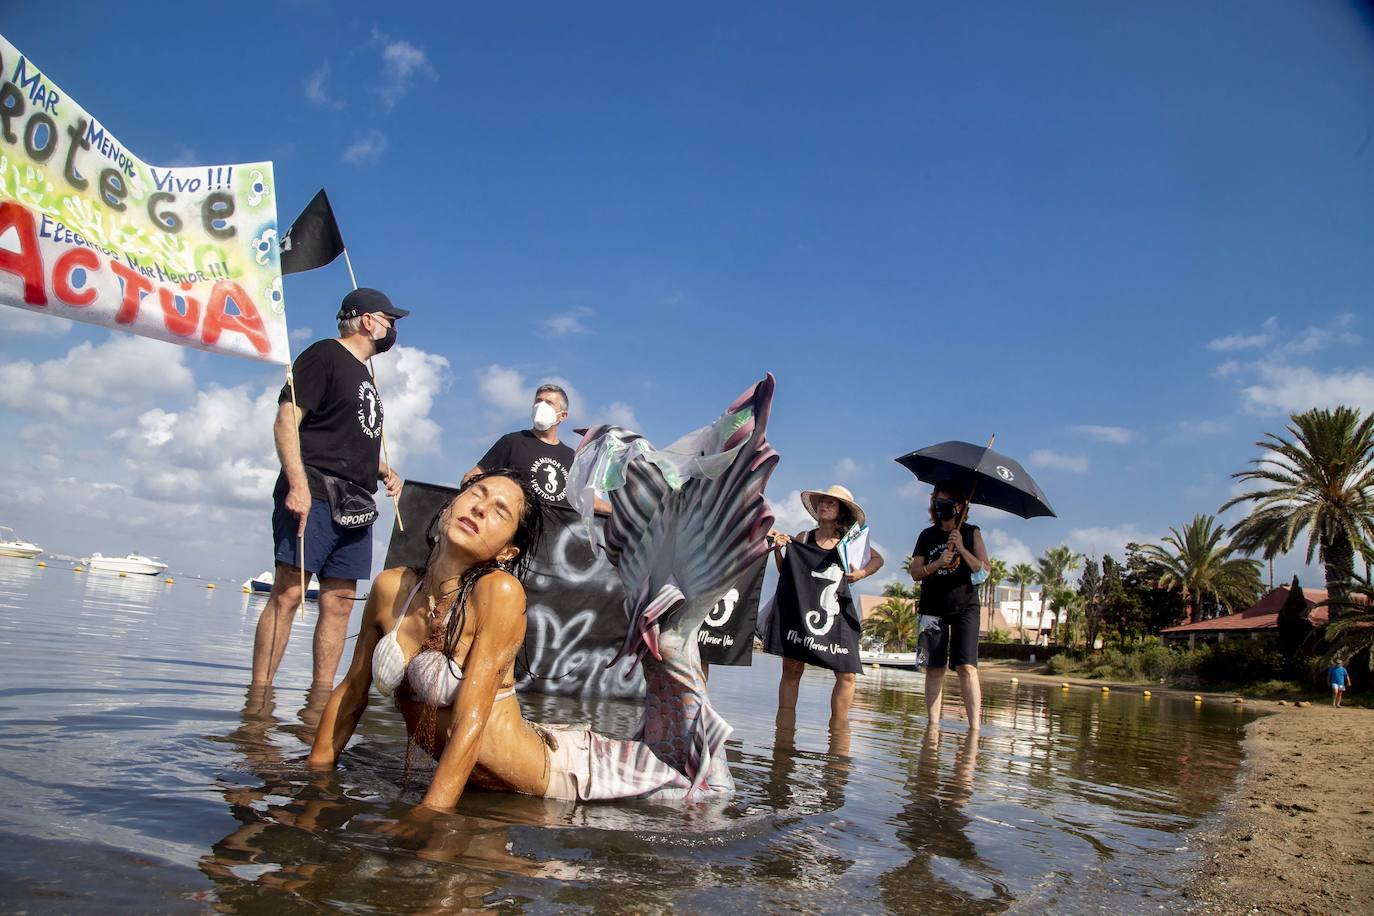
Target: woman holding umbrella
949 560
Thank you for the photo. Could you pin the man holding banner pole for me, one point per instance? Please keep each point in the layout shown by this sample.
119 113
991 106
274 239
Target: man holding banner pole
329 444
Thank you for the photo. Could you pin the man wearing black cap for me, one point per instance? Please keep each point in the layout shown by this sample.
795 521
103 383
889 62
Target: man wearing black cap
330 451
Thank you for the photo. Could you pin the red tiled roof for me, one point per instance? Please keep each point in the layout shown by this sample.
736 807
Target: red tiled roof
1263 616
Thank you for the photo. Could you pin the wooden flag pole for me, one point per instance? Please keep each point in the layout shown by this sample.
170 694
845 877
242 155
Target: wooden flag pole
300 533
386 455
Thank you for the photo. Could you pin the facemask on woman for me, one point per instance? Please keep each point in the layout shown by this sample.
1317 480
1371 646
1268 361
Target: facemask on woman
544 416
945 509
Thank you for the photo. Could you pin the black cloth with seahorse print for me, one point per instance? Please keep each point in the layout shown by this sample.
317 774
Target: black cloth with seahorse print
545 465
813 617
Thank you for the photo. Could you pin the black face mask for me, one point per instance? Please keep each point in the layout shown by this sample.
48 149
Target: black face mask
387 342
945 509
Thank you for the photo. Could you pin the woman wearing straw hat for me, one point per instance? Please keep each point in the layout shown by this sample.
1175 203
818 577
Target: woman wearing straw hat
841 526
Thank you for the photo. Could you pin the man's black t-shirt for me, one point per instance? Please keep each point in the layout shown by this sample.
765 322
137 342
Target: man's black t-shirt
545 465
946 591
342 430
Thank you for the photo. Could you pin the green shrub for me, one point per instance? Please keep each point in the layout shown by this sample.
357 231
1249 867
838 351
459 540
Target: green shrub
996 635
1062 663
1239 661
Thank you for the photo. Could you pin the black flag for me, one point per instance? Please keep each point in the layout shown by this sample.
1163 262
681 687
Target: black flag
313 239
812 617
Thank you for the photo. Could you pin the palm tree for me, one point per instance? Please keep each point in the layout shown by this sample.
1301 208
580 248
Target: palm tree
1067 600
997 574
1353 632
893 623
1320 479
1051 569
1197 563
1021 575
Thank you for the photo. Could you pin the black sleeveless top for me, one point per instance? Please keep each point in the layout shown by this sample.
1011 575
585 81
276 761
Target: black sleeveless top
946 591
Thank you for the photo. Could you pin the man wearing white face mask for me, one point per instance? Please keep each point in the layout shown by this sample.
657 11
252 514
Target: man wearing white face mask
537 452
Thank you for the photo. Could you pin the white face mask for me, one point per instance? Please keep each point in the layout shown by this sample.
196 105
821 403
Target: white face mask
544 416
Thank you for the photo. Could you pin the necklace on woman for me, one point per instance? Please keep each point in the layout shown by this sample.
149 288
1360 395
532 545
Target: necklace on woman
434 602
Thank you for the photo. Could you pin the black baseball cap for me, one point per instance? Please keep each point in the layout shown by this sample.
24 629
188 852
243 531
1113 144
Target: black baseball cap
365 300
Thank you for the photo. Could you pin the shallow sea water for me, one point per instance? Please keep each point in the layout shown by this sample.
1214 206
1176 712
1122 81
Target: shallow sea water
140 775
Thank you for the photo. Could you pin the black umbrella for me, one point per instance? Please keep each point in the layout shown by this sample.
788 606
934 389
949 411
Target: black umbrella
992 478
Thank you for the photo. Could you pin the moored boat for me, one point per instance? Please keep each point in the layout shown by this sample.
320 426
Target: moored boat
17 547
134 564
262 582
889 659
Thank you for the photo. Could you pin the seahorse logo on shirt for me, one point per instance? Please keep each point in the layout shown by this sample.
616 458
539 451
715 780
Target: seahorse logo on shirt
820 621
369 410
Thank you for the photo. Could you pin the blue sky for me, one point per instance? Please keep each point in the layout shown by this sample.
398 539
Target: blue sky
1126 239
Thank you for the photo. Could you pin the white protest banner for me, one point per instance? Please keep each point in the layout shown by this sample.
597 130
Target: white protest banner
89 231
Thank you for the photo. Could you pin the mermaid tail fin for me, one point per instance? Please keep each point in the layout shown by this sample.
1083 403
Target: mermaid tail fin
686 522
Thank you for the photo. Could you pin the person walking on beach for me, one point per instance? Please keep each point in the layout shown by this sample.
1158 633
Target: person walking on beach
1339 679
329 445
842 530
950 560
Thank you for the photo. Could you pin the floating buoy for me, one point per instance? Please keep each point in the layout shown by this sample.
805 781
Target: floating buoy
1106 689
78 569
1148 694
41 563
1064 686
1283 702
210 585
1304 704
1197 698
123 575
169 580
247 590
1238 700
1016 680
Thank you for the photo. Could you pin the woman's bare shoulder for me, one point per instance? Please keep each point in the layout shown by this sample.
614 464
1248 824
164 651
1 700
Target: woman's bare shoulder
499 596
389 587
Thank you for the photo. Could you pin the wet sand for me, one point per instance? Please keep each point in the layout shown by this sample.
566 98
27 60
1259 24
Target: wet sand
1297 835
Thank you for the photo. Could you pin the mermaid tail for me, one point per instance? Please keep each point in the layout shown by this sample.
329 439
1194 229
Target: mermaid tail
687 521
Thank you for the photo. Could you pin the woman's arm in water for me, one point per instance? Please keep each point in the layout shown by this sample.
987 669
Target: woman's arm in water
498 605
349 699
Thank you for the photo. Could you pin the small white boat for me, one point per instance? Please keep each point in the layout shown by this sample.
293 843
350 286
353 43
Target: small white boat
889 659
134 564
17 547
262 582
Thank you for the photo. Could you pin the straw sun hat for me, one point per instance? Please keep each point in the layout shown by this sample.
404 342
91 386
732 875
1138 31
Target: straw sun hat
837 492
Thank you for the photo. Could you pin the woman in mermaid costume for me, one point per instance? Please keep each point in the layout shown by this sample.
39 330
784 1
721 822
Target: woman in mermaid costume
686 522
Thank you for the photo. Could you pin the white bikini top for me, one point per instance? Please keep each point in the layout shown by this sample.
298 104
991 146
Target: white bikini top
434 677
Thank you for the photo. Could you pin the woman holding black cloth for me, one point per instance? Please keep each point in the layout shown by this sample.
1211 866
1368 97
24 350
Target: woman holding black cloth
949 561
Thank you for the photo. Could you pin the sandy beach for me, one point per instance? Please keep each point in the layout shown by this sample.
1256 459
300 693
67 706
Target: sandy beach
1297 835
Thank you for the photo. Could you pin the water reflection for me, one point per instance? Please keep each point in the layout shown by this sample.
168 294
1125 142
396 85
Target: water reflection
303 834
945 870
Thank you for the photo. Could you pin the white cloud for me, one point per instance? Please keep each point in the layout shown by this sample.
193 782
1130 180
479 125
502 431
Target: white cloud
1105 539
846 469
300 335
367 149
316 94
1049 458
1292 389
23 321
914 489
505 389
1247 341
1008 549
408 380
90 381
617 413
789 515
1114 435
402 62
1204 427
569 322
